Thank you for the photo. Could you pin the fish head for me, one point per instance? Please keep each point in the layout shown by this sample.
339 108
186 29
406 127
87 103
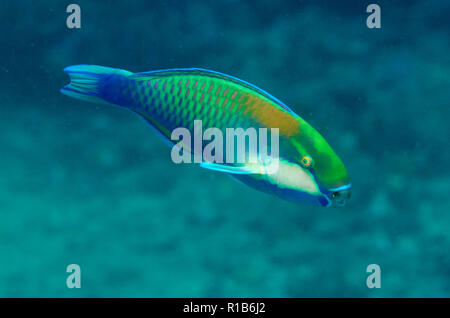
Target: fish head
313 172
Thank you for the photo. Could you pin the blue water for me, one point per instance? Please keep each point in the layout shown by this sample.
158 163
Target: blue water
89 184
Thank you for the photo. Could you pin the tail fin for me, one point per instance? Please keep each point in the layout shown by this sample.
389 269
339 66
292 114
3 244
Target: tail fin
86 81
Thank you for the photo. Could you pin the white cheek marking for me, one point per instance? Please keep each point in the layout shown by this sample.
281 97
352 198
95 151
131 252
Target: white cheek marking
294 177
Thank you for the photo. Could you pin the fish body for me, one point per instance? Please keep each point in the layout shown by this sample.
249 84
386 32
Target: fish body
309 171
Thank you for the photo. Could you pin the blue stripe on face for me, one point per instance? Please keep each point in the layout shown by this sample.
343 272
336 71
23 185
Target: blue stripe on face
303 197
345 187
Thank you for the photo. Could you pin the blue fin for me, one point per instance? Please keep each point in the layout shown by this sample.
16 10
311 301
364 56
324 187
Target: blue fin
233 169
85 80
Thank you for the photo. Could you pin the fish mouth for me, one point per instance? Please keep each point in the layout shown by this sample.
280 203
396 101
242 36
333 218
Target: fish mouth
340 196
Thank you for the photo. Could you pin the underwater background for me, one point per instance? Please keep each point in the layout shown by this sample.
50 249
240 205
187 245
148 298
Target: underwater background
90 184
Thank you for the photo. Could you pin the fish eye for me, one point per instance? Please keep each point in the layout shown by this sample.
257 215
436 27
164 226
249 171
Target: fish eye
307 161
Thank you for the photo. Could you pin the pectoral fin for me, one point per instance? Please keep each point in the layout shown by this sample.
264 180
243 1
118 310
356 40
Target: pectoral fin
233 169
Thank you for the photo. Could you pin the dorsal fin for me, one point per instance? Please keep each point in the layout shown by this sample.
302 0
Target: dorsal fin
209 73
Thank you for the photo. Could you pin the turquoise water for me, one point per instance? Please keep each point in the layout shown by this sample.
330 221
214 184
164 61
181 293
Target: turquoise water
89 184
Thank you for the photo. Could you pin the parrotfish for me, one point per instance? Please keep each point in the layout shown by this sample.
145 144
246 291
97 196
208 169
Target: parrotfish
309 171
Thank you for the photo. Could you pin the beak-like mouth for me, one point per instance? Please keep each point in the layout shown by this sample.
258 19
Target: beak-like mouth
341 195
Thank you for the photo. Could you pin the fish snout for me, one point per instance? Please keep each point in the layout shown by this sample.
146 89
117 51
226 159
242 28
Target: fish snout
340 198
